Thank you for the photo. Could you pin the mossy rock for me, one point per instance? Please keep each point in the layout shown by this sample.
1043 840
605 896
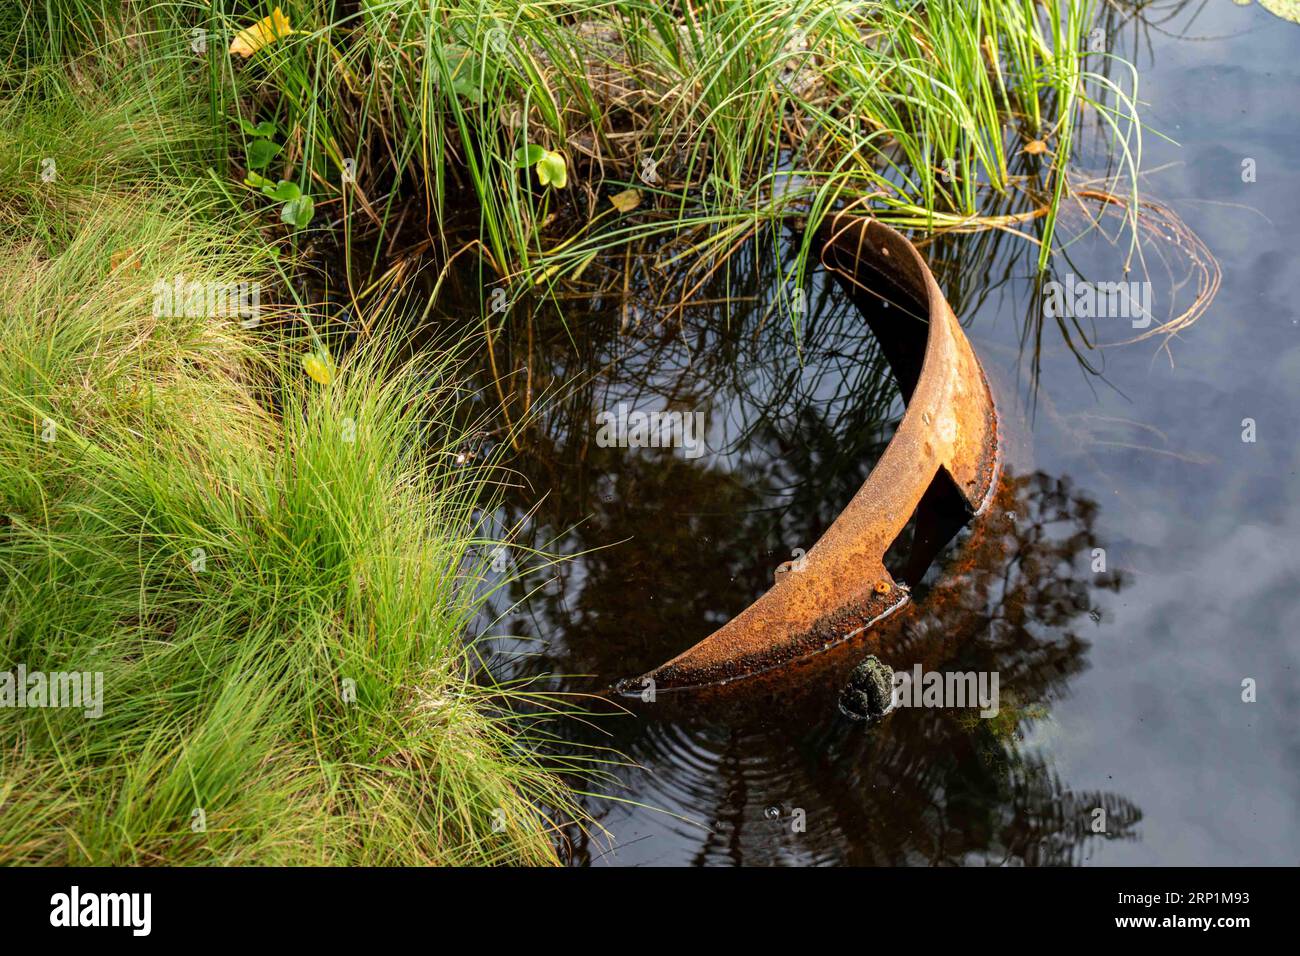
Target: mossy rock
869 693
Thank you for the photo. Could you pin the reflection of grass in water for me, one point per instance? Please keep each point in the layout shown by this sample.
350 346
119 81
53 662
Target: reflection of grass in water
1005 724
236 573
801 433
722 344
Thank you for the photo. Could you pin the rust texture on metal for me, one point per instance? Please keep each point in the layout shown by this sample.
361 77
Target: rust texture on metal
949 425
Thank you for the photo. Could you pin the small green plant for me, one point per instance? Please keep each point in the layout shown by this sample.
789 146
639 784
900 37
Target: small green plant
465 68
297 207
550 166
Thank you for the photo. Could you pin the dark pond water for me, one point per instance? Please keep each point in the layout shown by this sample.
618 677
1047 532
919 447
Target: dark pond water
1120 689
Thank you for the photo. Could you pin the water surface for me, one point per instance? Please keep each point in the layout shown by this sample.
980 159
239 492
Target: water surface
1121 689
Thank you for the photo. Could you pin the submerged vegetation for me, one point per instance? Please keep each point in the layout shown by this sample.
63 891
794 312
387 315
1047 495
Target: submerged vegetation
261 533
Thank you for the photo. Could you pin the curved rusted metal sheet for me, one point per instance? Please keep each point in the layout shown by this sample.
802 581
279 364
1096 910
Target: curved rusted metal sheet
950 425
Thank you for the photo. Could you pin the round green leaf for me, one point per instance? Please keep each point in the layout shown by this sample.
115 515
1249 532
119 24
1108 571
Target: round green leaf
552 171
261 152
466 87
264 129
298 212
529 155
283 191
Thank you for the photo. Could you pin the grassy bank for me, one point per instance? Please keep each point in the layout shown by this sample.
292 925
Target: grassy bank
269 573
712 120
726 117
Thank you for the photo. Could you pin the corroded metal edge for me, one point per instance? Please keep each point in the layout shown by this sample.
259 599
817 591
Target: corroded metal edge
950 423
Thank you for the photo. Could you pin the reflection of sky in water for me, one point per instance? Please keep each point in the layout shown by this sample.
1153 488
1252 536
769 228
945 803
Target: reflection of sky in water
1203 526
1213 547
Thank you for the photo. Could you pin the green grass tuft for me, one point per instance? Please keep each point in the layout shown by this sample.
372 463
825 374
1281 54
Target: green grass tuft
232 545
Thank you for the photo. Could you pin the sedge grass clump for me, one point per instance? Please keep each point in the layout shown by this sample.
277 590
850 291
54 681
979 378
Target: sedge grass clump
273 576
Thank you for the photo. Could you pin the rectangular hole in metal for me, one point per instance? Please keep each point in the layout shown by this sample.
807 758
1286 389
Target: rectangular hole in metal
940 514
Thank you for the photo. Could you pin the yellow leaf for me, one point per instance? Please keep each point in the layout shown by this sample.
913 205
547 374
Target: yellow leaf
1035 147
627 200
552 170
319 368
262 33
